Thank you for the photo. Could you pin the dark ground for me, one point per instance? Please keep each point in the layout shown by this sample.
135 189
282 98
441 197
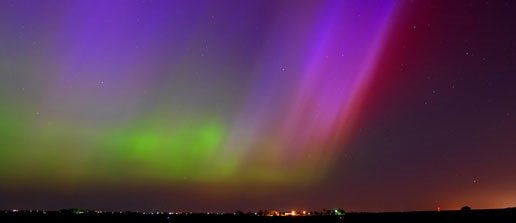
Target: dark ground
472 216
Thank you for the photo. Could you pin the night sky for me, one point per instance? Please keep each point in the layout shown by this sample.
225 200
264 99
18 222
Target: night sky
223 105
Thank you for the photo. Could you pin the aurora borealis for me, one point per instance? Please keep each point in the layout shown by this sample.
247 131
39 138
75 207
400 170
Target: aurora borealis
201 104
175 90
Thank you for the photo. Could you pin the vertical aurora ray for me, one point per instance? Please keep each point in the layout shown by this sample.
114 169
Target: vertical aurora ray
314 86
176 91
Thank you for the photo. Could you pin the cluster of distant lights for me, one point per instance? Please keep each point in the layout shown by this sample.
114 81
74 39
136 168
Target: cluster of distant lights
29 211
267 213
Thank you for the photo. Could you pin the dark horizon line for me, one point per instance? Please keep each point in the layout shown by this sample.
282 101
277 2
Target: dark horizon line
238 211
